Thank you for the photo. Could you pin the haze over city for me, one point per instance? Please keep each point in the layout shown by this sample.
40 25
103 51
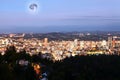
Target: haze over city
60 15
59 39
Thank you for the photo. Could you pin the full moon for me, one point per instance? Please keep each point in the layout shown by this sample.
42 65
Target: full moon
33 7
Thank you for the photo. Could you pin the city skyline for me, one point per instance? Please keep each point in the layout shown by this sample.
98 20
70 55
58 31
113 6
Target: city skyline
63 15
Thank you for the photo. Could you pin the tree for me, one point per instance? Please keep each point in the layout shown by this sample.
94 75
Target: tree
10 54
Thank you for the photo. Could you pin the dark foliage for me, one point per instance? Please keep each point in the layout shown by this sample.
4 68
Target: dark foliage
11 70
100 67
91 67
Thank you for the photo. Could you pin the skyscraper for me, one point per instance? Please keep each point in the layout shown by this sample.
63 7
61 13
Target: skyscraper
45 42
110 42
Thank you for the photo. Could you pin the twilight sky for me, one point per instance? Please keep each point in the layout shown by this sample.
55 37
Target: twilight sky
60 15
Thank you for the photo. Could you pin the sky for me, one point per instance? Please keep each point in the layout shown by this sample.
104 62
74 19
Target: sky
60 15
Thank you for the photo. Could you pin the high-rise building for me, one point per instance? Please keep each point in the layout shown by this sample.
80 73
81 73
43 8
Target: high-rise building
45 42
104 43
110 42
75 43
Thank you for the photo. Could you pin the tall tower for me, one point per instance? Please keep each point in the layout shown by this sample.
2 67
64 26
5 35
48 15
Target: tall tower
75 42
45 42
113 42
110 42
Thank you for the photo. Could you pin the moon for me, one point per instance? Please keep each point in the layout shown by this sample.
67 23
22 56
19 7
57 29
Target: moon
33 7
